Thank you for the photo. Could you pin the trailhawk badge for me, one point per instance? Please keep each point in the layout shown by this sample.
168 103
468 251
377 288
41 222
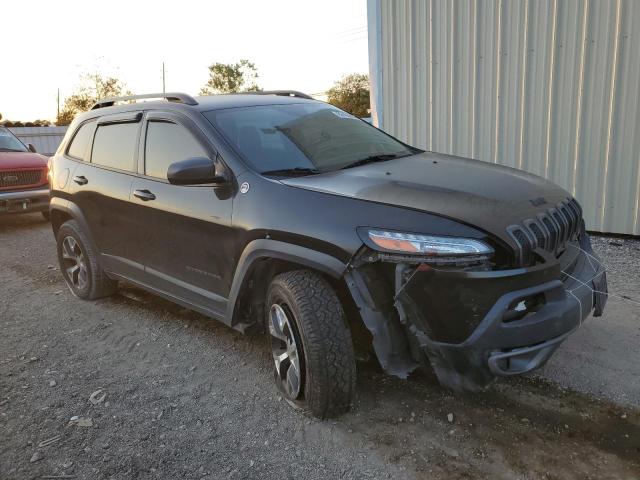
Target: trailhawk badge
244 188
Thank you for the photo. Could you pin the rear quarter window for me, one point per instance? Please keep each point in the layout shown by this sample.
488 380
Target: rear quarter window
114 145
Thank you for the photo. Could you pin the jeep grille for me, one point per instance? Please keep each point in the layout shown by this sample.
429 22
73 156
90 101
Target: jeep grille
549 230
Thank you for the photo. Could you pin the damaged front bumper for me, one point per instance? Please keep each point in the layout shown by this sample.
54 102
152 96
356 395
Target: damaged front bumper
474 325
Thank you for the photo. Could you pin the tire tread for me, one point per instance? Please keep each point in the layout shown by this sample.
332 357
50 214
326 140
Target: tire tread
326 340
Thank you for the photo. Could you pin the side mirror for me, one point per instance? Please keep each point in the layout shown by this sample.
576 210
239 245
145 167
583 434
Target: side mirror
32 148
195 171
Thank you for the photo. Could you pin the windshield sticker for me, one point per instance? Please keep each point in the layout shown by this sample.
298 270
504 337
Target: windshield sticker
341 114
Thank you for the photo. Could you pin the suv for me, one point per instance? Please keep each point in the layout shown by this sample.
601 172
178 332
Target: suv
275 212
23 177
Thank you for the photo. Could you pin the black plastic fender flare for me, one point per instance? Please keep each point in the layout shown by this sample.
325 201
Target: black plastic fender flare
73 210
268 248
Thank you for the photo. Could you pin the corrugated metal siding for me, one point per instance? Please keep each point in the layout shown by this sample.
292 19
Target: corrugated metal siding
45 139
549 86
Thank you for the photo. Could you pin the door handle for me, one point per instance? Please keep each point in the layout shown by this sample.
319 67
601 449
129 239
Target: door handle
144 195
80 179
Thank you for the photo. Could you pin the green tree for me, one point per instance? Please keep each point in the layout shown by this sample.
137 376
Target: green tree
351 94
93 87
231 78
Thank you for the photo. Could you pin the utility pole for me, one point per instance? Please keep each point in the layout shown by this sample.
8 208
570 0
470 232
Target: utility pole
163 88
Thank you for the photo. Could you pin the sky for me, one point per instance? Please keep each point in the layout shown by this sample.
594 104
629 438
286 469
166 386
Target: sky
48 45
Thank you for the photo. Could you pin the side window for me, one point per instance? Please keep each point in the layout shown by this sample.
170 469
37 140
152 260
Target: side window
168 143
79 147
115 144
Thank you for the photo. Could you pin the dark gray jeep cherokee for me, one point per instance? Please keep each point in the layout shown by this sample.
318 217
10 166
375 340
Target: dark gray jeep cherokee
275 212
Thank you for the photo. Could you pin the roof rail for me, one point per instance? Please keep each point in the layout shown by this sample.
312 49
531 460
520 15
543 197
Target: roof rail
284 93
171 97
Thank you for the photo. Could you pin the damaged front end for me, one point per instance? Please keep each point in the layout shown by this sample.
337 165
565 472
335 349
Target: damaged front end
469 318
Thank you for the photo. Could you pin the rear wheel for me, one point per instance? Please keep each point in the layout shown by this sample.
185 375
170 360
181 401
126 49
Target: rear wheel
79 264
314 361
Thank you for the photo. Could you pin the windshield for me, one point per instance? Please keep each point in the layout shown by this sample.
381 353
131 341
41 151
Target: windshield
303 138
9 143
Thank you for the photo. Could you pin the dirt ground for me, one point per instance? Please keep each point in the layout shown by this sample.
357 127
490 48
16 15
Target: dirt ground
180 396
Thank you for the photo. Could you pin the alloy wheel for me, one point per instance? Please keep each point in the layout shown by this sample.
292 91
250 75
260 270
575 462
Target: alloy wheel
74 263
286 354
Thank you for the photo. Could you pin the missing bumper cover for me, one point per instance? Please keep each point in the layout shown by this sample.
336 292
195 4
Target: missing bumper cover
466 322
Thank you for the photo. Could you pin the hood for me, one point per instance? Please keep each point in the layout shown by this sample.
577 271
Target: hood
20 160
485 195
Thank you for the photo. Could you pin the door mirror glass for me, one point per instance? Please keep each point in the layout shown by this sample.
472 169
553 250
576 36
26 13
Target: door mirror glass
32 148
195 171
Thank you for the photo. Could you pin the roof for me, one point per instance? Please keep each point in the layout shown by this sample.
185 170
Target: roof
205 103
217 102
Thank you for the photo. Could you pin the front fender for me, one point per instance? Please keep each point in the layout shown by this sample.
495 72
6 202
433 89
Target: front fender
268 248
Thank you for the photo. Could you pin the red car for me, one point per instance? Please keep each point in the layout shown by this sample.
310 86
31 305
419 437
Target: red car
24 186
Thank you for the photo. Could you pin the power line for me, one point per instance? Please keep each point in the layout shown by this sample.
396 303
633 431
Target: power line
355 31
347 30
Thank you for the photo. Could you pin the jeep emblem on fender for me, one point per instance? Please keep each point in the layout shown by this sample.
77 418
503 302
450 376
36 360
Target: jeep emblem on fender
244 188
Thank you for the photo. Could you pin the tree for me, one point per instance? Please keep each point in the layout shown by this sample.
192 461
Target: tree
351 94
231 78
18 123
93 87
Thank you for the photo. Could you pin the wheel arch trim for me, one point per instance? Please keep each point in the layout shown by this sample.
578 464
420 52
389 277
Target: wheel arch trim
274 249
65 206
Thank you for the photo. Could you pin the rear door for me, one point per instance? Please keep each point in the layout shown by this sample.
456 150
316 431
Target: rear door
102 187
186 230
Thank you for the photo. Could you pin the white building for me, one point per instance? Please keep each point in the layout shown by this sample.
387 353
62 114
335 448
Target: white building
549 86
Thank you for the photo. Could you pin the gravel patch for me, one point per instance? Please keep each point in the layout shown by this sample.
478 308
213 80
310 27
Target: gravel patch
133 386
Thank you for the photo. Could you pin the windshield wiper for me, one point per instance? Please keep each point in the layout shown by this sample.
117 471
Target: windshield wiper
292 171
10 150
374 159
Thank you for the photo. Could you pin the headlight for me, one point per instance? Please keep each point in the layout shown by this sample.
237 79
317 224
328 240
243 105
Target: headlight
427 244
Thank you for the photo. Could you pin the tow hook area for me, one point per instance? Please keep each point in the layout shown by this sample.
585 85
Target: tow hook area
522 360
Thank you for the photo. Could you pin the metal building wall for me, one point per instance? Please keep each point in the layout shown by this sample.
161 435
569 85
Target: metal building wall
549 86
45 139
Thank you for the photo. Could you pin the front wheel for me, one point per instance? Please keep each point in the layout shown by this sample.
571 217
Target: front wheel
311 344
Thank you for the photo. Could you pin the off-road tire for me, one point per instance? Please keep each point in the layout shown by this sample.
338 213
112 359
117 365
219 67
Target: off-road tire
328 356
98 285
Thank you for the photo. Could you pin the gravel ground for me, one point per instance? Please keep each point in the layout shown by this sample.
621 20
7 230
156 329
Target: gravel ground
603 357
181 396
